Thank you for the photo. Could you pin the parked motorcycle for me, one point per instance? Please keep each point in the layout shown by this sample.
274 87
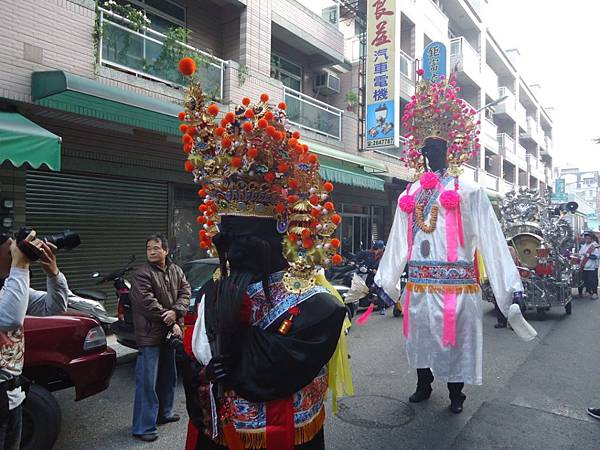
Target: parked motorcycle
91 302
123 326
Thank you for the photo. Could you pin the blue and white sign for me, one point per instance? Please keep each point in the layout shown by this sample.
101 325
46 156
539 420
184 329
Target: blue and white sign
380 124
559 186
434 61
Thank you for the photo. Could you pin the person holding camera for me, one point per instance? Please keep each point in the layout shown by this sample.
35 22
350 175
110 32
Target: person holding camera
160 297
17 299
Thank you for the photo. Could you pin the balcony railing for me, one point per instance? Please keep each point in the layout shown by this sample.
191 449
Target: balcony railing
314 115
464 54
490 181
521 153
434 12
407 65
534 163
490 79
548 142
506 143
490 130
144 53
507 186
352 49
470 173
521 114
508 105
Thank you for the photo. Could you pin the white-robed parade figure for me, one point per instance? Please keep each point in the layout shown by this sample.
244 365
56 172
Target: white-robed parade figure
439 224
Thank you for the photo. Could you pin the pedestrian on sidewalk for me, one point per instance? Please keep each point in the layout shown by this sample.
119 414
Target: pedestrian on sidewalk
160 296
590 253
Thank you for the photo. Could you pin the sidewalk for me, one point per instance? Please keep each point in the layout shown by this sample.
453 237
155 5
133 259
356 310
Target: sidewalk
543 406
124 354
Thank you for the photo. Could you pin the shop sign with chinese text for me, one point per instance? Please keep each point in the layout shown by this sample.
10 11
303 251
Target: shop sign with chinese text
434 61
383 110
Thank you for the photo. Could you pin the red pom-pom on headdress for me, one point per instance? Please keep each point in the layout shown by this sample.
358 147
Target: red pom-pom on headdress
187 66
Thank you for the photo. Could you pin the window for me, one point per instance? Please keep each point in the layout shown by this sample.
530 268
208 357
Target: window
287 72
331 14
163 14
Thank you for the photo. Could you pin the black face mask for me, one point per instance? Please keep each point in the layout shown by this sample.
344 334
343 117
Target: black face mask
435 151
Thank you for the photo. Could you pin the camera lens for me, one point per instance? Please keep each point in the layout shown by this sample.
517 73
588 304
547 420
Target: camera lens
67 240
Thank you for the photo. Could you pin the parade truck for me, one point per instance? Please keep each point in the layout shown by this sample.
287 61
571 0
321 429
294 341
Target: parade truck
543 241
61 352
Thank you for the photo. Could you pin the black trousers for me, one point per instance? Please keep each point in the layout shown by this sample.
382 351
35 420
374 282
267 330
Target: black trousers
10 429
425 378
590 281
499 316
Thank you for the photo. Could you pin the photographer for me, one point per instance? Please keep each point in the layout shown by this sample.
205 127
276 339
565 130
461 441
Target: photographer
160 297
16 300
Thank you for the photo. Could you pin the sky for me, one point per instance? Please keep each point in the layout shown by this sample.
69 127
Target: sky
557 41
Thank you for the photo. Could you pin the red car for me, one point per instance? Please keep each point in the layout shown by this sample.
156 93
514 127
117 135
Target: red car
61 352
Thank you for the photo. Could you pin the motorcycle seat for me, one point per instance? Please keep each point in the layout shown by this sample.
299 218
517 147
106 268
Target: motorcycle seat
91 294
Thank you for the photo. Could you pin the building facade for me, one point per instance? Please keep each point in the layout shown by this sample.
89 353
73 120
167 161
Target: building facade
516 134
583 186
102 77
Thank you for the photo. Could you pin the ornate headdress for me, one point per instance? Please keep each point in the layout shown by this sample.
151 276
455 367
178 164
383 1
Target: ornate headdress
251 164
436 111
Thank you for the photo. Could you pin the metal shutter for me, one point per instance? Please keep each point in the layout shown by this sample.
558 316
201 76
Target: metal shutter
112 216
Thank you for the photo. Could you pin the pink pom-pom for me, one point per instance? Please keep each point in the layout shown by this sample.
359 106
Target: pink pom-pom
450 199
429 180
407 203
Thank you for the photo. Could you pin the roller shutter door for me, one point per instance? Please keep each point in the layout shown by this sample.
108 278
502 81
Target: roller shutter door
113 217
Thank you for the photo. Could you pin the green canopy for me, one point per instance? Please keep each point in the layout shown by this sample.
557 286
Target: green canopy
68 92
352 176
22 141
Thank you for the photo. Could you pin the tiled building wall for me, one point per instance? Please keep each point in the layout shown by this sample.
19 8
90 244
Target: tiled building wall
308 23
43 35
204 19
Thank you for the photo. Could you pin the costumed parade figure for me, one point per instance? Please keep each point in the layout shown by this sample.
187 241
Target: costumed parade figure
269 337
439 224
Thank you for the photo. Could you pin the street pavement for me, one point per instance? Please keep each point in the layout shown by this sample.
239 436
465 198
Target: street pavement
533 397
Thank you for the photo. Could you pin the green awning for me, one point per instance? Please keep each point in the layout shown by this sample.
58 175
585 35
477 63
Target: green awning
370 165
22 141
92 98
351 176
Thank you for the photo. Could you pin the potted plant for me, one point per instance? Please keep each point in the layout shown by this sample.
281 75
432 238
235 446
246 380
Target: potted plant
351 100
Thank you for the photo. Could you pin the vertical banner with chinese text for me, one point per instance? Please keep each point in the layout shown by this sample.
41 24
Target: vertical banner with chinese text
383 109
434 62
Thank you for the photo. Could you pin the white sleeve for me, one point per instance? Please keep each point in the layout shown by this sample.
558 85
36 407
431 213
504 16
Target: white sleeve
200 344
491 242
394 258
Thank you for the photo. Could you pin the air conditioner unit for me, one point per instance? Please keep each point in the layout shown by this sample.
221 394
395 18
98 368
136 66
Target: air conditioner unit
326 83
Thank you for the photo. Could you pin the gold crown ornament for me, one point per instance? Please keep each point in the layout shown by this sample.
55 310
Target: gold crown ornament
436 111
249 163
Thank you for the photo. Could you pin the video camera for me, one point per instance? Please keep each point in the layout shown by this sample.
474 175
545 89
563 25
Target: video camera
65 240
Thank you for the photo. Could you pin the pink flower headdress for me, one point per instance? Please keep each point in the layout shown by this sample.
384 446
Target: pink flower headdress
436 111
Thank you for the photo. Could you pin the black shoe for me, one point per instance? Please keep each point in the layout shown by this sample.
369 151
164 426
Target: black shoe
146 437
420 395
500 325
456 404
594 412
163 420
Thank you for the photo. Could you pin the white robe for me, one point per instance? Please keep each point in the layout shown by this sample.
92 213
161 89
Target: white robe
482 232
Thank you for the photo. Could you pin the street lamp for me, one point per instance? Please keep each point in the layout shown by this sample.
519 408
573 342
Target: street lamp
493 103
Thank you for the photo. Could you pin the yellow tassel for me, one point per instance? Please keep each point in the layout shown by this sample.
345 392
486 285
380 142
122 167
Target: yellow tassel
442 288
